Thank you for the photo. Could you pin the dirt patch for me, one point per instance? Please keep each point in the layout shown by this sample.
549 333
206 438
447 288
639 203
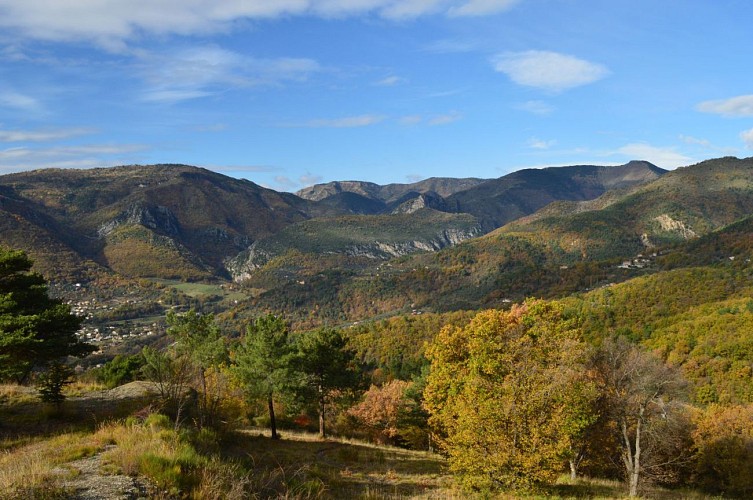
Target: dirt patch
88 479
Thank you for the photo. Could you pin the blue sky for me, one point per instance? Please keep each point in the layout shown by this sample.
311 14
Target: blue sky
291 92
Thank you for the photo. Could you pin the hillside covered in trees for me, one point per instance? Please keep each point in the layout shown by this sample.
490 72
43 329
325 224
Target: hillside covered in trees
604 339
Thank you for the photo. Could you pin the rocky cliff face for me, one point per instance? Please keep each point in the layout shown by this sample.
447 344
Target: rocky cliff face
262 251
156 218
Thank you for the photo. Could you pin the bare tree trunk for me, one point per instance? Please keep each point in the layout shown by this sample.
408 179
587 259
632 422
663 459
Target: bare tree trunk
573 470
627 450
636 458
272 421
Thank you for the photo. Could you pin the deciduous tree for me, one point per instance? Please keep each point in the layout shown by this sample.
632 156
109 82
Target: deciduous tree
381 409
724 440
640 390
508 397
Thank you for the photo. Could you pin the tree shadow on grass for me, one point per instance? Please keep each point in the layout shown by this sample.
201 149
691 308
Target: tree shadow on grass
36 419
344 470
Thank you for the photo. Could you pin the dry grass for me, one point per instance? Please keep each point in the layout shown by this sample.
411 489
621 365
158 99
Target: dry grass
342 468
29 470
252 465
81 388
11 394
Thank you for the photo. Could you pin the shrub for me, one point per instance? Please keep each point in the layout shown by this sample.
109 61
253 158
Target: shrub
50 383
119 371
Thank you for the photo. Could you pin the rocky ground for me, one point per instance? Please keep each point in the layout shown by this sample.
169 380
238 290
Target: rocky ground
90 479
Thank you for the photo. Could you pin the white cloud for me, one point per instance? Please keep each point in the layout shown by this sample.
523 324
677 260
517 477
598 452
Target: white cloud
736 106
733 107
204 71
411 119
85 156
536 107
309 179
413 178
536 143
707 145
665 157
391 81
687 139
285 183
346 122
481 7
41 135
548 70
111 22
173 95
409 9
444 119
747 137
15 100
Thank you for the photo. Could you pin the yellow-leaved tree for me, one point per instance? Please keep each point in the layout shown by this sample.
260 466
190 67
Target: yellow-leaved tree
509 396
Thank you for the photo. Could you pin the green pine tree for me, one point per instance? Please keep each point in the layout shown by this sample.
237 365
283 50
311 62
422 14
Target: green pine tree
35 329
329 367
263 362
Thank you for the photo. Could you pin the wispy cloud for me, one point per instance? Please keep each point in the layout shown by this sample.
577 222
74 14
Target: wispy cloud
430 120
346 122
85 156
733 107
204 71
481 7
309 179
42 135
747 137
445 119
411 178
707 145
18 101
665 157
536 143
111 22
285 183
391 81
550 71
536 107
173 95
411 119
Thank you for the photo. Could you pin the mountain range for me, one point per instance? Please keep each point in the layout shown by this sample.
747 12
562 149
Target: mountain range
351 250
183 222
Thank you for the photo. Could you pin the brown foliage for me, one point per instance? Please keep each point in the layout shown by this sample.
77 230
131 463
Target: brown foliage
724 440
380 410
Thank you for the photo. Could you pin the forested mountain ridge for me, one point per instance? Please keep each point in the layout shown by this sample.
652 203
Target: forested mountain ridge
183 222
161 220
493 201
389 193
554 255
499 201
